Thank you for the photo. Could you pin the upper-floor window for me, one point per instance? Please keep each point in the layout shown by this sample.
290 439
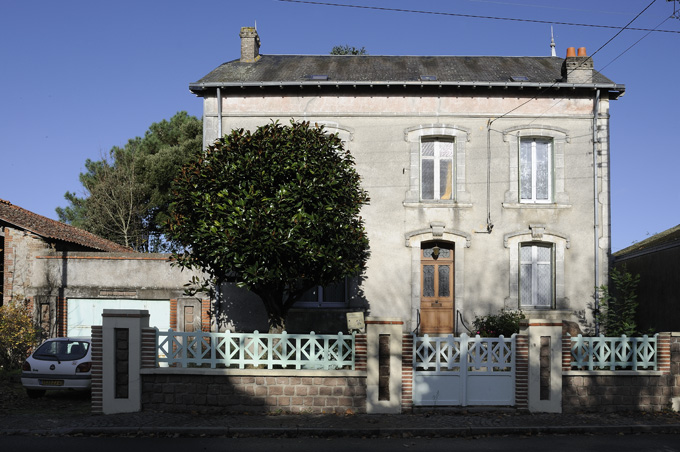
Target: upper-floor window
436 169
535 170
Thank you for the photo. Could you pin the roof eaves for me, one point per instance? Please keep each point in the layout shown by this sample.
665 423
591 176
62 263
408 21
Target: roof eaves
196 88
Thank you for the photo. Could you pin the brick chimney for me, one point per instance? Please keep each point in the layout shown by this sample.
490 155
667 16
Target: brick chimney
250 45
577 68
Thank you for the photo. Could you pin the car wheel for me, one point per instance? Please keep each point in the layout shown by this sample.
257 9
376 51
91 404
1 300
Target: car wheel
35 393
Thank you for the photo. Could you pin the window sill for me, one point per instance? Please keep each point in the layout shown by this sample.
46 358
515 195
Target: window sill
529 205
438 205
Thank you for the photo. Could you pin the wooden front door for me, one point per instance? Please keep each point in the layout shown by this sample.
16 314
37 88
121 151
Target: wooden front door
436 289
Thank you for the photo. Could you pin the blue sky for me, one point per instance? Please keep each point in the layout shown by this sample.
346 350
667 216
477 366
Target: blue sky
78 77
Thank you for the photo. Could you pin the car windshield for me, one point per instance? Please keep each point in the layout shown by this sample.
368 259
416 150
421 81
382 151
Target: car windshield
64 350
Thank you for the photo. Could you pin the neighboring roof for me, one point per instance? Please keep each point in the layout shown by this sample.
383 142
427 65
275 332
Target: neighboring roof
666 239
48 228
292 70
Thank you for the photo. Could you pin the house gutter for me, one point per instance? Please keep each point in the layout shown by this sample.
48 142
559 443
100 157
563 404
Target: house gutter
219 112
596 217
617 89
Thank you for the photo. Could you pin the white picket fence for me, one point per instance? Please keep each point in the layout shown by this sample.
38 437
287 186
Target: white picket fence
255 350
463 370
614 353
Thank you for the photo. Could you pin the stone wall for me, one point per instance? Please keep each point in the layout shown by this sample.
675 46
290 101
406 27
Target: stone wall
627 391
289 391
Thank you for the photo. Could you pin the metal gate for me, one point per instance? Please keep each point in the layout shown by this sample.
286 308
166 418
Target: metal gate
463 371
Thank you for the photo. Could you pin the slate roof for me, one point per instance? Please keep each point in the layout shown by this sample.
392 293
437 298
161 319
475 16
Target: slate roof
50 229
396 70
668 238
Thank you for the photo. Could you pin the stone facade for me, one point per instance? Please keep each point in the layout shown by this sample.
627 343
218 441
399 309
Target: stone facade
384 124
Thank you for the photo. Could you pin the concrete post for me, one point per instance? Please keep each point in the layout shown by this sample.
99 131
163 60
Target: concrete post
384 365
545 365
122 359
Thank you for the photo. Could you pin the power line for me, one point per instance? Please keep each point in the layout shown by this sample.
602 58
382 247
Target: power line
471 16
554 83
633 45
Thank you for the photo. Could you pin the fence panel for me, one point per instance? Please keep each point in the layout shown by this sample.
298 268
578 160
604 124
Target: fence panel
614 353
255 350
463 370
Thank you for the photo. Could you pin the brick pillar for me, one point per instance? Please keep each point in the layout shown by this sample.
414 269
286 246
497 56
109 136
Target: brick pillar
522 372
206 321
148 348
97 400
61 317
663 349
407 373
360 352
566 352
173 314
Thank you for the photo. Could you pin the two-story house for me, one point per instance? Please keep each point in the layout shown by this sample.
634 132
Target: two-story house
488 175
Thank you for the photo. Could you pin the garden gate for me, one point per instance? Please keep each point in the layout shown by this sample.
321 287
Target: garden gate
462 371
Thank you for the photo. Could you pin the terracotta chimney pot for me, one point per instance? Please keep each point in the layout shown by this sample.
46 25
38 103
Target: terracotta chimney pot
571 52
582 52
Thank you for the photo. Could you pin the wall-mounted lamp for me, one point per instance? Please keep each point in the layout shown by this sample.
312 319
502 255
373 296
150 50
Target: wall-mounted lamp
435 252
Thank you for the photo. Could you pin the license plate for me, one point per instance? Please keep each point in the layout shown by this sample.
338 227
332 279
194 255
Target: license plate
52 382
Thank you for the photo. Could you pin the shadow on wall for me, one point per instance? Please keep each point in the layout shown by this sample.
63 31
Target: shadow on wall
239 310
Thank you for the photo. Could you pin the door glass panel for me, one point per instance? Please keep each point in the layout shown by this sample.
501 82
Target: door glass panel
428 280
444 271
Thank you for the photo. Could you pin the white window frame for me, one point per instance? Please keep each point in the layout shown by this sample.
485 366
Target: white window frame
437 159
534 170
414 136
537 234
535 263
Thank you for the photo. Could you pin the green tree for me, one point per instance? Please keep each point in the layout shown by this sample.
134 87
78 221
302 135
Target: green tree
618 303
348 50
127 192
275 210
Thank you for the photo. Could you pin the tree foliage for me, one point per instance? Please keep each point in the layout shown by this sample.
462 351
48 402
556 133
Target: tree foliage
18 334
618 304
348 50
127 192
275 210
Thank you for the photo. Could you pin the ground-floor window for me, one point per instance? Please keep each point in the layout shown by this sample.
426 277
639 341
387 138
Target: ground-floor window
536 276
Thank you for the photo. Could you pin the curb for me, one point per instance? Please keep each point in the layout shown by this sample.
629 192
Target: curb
348 432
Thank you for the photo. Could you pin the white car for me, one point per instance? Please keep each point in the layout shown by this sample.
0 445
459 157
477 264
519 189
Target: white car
59 363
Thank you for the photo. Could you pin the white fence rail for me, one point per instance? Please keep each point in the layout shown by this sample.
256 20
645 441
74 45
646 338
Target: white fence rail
614 353
255 350
463 370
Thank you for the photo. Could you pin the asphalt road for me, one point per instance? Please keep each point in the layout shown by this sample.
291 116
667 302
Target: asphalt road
554 443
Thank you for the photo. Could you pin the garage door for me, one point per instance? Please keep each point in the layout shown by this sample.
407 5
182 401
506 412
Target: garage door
83 313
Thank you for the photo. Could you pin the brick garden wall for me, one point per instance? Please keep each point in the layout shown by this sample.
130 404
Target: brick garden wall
229 393
640 391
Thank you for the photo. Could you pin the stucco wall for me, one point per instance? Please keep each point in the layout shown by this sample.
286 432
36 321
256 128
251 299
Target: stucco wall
380 129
